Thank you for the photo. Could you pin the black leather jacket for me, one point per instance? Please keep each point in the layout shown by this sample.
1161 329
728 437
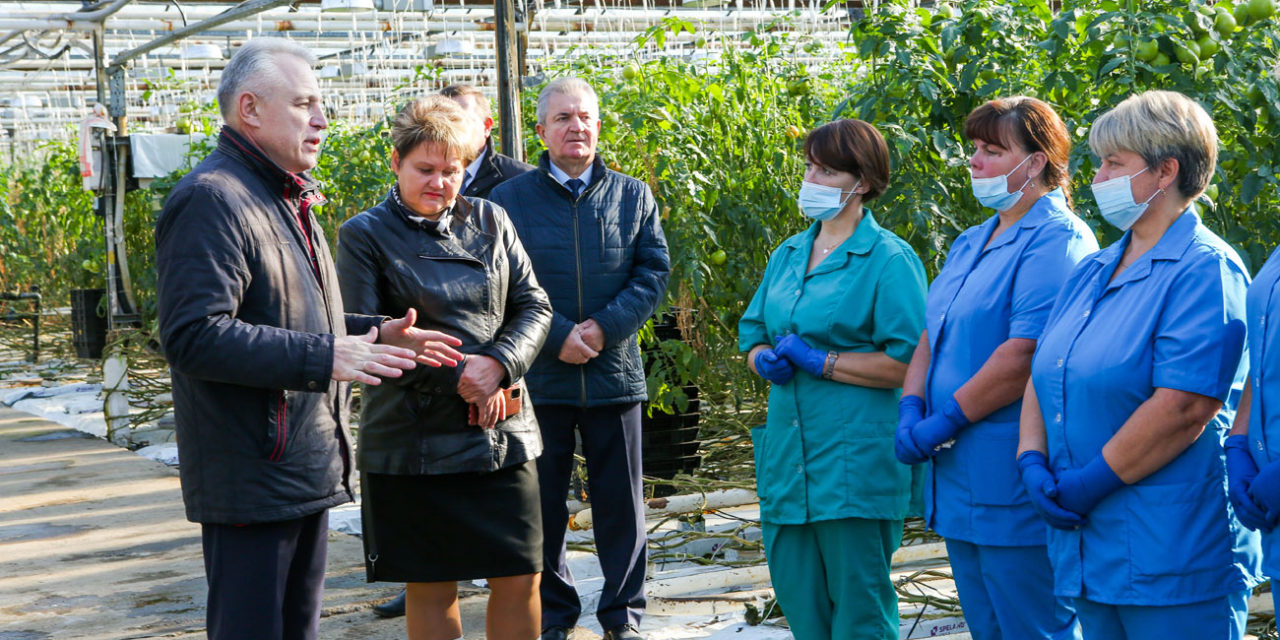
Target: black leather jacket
474 282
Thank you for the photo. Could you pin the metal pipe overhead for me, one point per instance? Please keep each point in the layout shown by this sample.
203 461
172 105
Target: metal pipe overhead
246 8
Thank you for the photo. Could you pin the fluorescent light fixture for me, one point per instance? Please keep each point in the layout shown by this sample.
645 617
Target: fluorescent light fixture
202 52
346 6
406 5
701 4
450 48
344 70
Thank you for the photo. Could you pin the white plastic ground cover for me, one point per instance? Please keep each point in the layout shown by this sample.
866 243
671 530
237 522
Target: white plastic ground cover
58 409
677 589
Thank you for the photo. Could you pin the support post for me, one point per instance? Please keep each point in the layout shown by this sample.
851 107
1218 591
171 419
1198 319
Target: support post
115 388
508 79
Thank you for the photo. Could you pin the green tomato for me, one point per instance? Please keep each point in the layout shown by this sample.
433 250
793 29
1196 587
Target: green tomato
719 257
364 156
1261 9
1212 192
1208 46
1228 164
1188 53
1241 14
183 125
700 42
1162 59
631 71
1190 19
1224 23
946 12
1148 49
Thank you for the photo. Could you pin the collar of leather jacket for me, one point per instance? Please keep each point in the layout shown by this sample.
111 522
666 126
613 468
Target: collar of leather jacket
598 171
460 210
295 186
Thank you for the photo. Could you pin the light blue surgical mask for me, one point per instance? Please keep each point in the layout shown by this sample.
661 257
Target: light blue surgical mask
993 193
823 203
1116 202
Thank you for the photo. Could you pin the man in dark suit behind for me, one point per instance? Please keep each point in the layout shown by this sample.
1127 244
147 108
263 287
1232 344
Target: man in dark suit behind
490 168
487 171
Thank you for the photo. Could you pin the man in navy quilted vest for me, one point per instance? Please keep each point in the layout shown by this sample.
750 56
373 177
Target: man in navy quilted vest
597 248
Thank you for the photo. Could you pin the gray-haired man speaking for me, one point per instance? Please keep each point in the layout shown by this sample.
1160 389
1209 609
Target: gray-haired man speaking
262 354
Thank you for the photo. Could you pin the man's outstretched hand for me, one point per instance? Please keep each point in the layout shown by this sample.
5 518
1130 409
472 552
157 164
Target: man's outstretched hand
360 359
433 348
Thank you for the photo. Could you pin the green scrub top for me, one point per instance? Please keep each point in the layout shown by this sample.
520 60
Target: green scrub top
826 450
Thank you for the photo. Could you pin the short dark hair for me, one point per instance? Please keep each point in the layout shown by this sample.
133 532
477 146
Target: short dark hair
1031 124
459 90
852 146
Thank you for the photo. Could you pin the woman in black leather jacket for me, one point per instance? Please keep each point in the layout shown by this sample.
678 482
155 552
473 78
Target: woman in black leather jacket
449 486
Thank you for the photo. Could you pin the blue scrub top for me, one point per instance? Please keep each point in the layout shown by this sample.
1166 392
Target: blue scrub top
985 295
1264 367
1173 319
826 450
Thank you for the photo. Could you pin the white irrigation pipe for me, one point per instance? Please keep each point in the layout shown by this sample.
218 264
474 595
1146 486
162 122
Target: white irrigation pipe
660 507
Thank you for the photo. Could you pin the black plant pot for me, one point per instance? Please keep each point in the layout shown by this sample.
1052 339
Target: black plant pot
669 442
88 329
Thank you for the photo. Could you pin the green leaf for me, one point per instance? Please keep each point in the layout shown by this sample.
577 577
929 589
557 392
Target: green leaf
1250 188
1110 66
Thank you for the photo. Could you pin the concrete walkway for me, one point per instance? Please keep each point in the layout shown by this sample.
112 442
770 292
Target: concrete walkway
94 544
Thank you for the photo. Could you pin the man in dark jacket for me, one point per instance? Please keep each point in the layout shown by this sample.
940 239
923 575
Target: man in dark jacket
490 168
487 171
597 247
261 352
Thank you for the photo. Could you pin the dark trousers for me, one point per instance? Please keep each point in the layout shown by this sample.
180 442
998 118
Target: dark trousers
266 580
611 446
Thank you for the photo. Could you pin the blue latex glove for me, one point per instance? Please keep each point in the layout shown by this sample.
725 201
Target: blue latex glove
910 412
1241 471
808 359
932 432
773 367
1037 479
1265 490
1080 490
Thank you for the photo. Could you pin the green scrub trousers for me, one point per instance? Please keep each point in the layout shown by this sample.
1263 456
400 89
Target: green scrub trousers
831 577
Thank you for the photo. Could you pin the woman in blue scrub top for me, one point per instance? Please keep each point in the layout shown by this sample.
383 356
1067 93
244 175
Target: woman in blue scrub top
985 311
1254 444
832 328
1133 388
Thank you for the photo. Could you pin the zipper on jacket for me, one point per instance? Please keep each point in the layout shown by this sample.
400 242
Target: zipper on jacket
577 258
282 427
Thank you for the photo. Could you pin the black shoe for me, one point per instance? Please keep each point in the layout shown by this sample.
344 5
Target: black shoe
623 632
393 608
555 633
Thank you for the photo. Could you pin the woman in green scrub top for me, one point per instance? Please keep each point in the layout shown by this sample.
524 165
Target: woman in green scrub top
832 327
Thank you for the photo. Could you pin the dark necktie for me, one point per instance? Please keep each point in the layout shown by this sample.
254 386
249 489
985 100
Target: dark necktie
575 186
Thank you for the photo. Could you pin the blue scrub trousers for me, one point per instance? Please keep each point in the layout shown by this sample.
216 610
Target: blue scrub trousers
831 577
1007 593
1221 618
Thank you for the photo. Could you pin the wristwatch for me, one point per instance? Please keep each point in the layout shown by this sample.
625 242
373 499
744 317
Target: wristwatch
829 367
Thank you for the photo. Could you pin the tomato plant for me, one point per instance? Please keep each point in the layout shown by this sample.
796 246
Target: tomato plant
717 135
